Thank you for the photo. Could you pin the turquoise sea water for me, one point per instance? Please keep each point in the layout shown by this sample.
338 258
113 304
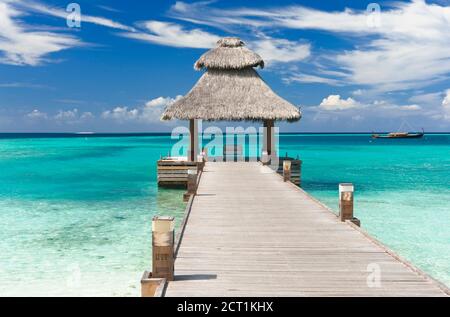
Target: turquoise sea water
75 213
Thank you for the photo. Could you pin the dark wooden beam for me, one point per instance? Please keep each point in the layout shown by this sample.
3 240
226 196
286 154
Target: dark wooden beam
191 154
268 125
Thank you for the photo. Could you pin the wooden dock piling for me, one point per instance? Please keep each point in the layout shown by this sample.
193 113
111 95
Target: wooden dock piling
296 169
286 170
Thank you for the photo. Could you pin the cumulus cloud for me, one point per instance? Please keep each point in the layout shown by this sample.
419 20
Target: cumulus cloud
72 116
121 114
150 112
36 115
335 102
358 110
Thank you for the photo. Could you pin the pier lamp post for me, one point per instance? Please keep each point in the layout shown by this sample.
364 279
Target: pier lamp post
163 236
346 194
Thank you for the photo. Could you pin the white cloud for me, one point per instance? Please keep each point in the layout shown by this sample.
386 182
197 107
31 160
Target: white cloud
22 44
312 79
86 116
429 99
281 50
409 48
334 102
22 47
108 8
410 107
446 106
160 102
357 110
389 106
446 101
61 13
171 34
21 85
151 111
358 92
162 33
37 115
72 116
121 114
357 117
67 115
410 51
202 13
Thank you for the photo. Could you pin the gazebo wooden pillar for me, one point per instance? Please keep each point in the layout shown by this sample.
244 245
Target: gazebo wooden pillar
268 136
193 140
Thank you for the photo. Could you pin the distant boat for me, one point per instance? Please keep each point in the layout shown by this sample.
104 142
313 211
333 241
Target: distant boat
399 135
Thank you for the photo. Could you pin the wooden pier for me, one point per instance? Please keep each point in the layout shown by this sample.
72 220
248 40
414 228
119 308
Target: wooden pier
249 233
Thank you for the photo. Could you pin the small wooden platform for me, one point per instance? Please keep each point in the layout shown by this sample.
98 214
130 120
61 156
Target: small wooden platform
251 234
174 172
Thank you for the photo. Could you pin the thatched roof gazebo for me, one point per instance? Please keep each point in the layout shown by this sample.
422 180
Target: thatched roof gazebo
231 90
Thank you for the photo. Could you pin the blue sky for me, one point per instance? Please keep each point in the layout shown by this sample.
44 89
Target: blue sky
347 69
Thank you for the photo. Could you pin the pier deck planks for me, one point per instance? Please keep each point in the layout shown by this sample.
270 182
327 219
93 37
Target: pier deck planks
251 234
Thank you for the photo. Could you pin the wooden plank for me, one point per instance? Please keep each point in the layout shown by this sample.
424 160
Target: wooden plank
251 234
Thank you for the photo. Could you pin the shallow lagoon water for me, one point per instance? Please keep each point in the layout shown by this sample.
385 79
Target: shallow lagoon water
75 213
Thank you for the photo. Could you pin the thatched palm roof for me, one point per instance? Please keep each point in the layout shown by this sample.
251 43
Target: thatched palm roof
231 89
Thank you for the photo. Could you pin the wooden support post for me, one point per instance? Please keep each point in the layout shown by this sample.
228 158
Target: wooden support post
346 191
268 139
191 184
287 170
193 144
163 237
268 136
